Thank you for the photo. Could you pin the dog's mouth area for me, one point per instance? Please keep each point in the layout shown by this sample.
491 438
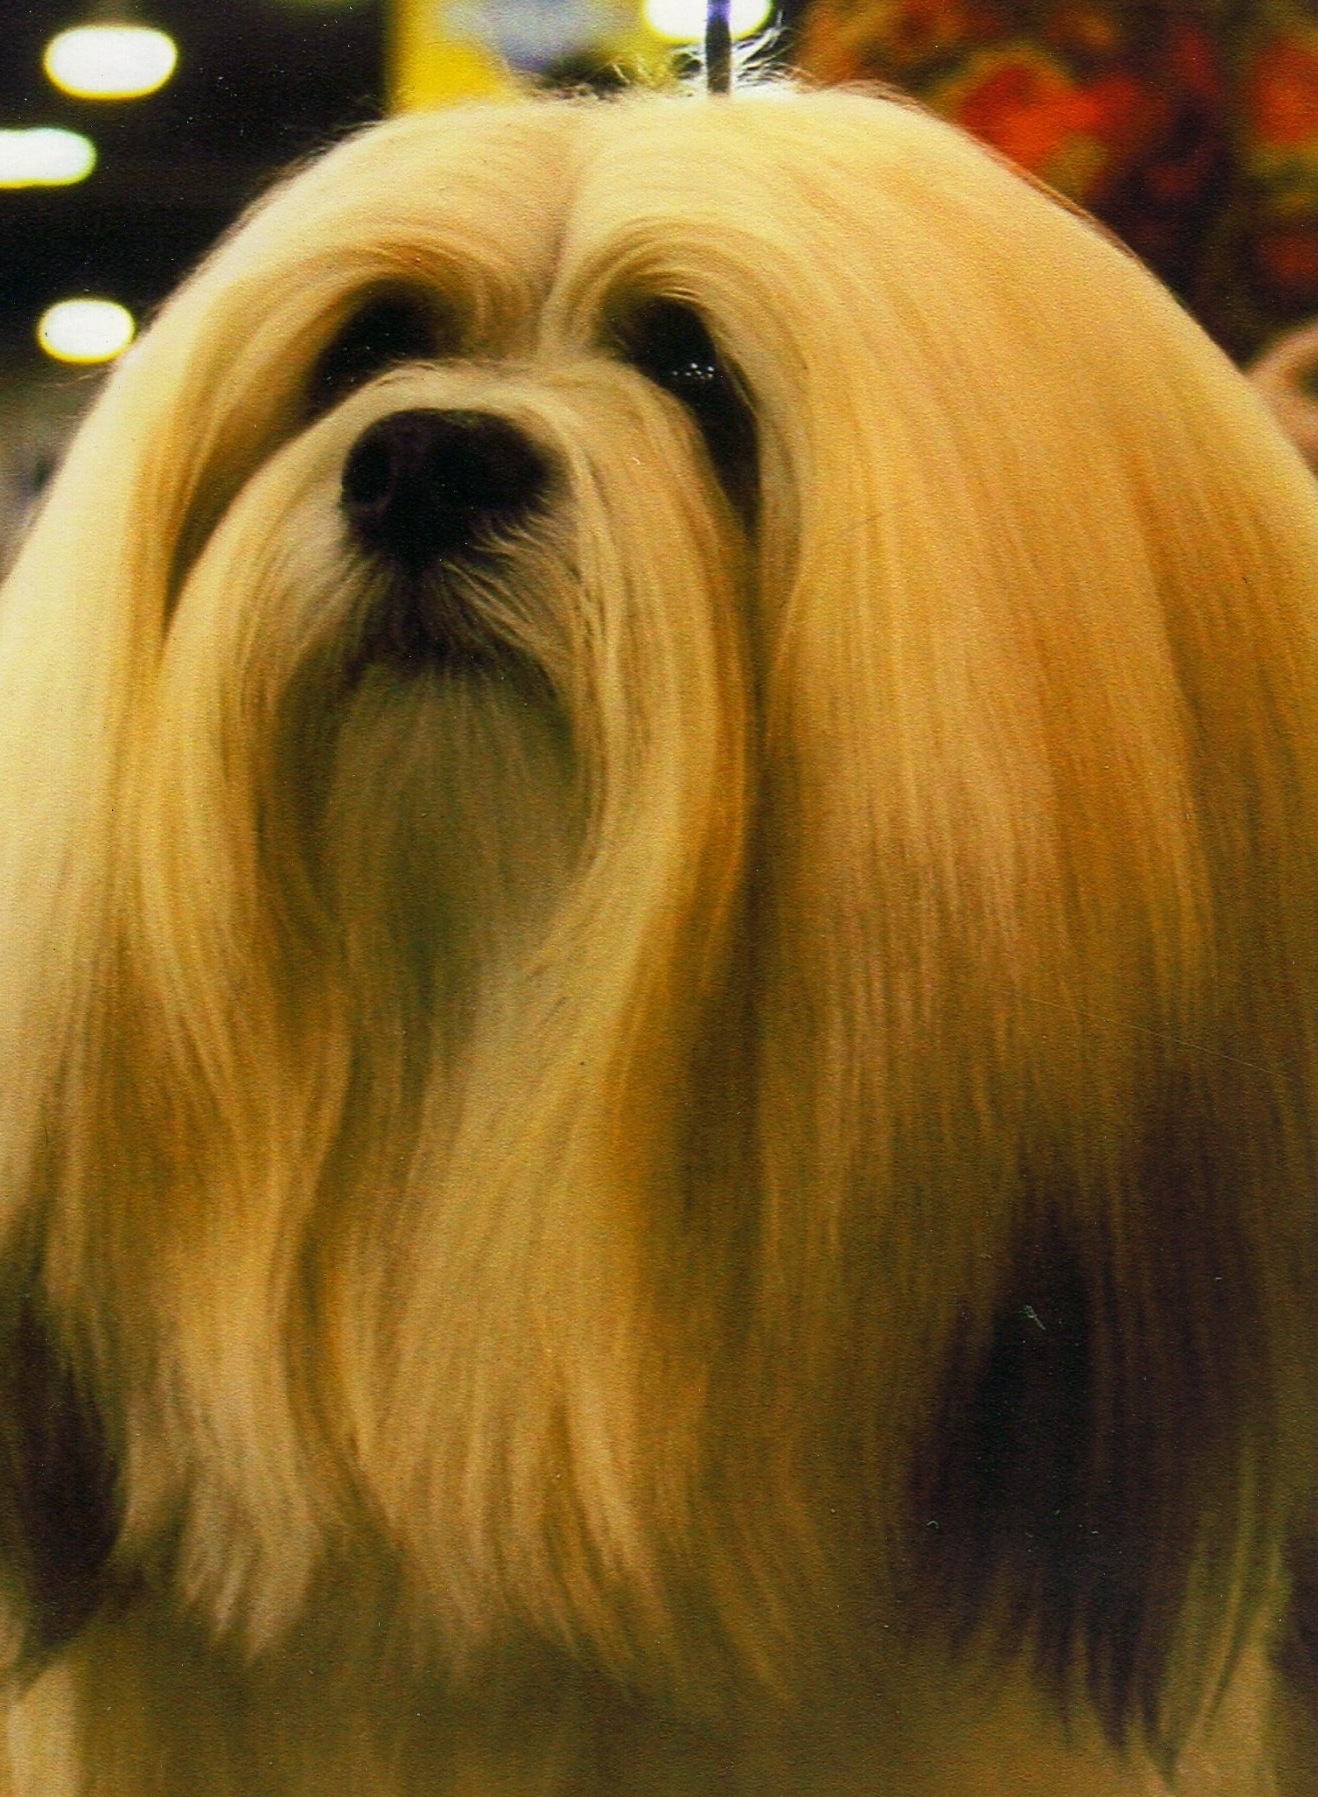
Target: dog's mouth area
442 504
437 618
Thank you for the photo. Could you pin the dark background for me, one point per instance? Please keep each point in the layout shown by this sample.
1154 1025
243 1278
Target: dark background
259 83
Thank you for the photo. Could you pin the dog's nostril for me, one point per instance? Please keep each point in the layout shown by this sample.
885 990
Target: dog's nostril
423 484
368 477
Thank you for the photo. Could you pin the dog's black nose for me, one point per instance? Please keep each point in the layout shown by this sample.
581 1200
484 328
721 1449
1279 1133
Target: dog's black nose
424 484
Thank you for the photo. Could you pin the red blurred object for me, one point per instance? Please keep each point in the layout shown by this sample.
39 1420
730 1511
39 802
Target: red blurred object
1190 129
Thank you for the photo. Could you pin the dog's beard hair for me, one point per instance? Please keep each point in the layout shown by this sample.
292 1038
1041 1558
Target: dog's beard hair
382 909
576 1126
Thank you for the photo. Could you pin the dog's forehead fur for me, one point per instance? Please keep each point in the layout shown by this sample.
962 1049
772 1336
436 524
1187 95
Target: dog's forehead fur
529 220
729 1148
532 188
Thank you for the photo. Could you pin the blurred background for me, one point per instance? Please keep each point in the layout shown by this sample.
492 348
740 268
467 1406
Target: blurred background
132 132
132 135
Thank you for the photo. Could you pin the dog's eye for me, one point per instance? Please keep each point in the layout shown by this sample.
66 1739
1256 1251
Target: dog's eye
391 329
669 343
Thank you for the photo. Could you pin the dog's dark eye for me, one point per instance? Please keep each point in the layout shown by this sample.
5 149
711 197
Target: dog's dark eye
669 343
391 329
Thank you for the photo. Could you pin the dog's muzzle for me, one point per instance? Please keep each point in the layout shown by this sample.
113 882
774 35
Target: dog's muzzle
423 485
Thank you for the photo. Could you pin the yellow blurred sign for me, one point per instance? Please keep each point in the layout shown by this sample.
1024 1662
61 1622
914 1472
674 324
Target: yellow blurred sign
446 50
429 64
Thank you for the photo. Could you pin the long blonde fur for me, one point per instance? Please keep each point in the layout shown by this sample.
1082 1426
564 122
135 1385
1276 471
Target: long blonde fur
527 1175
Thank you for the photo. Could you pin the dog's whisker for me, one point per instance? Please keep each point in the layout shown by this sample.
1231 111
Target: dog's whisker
1082 1022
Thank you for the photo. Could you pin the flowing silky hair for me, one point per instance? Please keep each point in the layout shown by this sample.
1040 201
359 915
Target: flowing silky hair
778 1095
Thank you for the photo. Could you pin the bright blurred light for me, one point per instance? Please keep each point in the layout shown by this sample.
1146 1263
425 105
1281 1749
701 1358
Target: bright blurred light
683 21
45 157
85 330
110 62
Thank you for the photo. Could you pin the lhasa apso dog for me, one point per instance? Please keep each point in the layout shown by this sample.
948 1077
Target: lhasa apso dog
659 997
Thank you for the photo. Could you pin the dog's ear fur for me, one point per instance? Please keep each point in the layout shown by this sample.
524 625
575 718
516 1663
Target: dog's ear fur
58 1497
80 631
1037 964
69 663
1297 1660
1062 1499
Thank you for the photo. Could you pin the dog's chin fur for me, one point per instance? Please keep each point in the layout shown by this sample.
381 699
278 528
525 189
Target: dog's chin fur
705 1180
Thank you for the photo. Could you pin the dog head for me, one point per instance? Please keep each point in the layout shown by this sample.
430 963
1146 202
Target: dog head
658 957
